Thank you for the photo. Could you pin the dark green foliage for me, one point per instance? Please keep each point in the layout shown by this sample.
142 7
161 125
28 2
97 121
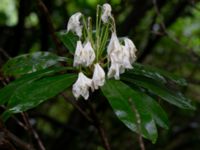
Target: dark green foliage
68 39
32 62
31 93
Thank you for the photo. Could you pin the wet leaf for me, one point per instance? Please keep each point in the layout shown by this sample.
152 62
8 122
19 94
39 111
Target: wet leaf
7 91
157 88
130 108
69 40
28 63
156 74
34 92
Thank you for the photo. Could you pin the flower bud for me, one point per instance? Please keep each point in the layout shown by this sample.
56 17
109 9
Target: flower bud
106 12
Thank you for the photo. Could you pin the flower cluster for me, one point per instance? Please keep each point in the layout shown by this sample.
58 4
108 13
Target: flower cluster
89 55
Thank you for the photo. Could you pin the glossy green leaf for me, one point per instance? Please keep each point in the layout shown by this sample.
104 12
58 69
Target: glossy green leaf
69 40
159 89
32 93
128 105
158 114
28 63
156 74
7 91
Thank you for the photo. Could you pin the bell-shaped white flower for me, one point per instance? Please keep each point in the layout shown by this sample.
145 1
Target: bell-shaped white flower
89 54
74 24
78 54
116 67
106 13
116 56
131 48
114 71
114 45
81 86
84 55
126 58
98 76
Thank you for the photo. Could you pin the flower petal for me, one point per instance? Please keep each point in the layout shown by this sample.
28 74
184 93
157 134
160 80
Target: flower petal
98 76
106 12
89 54
74 24
81 86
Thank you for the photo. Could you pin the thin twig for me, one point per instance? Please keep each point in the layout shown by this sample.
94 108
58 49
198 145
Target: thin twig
94 120
6 134
75 104
99 126
5 53
173 38
33 132
43 9
21 144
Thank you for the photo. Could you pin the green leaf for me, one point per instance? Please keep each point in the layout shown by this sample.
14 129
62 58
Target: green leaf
100 148
28 63
32 93
154 108
174 97
69 40
156 74
7 91
126 104
158 114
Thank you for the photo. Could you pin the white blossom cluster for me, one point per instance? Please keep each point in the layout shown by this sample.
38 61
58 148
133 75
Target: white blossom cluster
120 56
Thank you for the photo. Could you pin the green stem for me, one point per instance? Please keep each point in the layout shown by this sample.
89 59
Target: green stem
104 39
97 32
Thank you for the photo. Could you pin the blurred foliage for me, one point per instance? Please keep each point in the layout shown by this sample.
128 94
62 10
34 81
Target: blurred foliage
57 122
8 11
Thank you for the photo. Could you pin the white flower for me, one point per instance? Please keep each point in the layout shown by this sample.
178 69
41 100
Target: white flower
89 54
131 48
114 44
114 71
81 87
106 12
74 24
84 55
116 56
78 54
126 58
98 76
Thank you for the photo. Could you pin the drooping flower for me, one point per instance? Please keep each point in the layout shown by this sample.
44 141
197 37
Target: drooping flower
115 55
114 44
106 12
74 24
114 71
98 76
78 54
81 86
120 56
84 55
131 48
89 54
126 58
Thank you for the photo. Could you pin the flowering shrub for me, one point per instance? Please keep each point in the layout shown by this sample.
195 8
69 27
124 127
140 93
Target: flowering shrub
100 61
